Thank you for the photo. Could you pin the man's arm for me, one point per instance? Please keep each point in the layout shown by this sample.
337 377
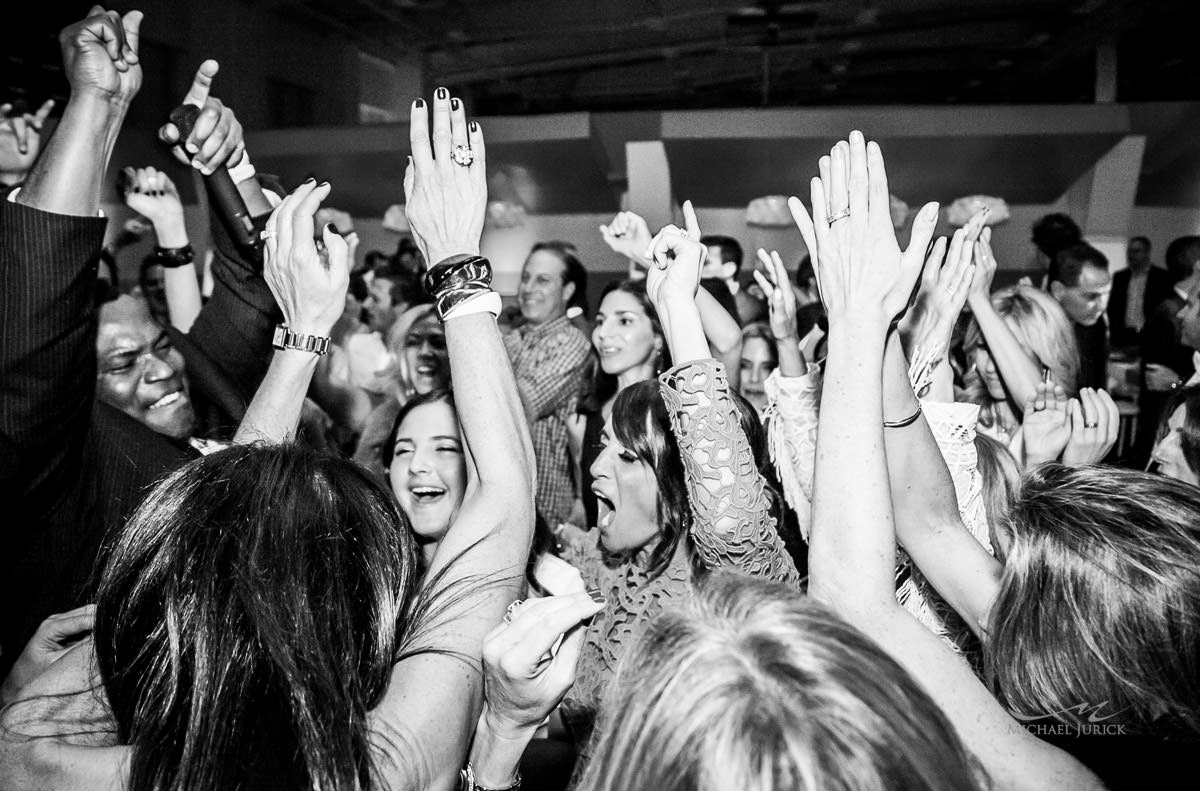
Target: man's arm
549 385
49 238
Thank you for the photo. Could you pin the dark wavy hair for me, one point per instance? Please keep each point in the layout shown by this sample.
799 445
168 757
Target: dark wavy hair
642 425
1099 606
248 618
600 386
1189 437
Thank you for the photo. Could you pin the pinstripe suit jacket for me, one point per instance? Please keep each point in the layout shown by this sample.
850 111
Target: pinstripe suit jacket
71 469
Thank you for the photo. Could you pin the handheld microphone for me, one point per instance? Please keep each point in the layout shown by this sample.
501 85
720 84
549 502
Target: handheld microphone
224 192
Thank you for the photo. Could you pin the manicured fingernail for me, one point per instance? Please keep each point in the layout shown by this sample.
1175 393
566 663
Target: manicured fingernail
192 148
419 103
331 228
474 126
323 184
441 93
454 104
310 180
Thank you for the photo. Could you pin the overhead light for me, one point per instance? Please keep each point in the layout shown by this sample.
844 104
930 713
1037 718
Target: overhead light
503 214
965 208
769 211
394 219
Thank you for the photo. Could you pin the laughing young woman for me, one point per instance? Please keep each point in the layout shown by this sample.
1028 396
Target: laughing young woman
678 490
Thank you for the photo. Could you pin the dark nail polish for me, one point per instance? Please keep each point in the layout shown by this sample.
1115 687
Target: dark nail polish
419 103
323 184
441 93
454 104
333 229
309 180
474 127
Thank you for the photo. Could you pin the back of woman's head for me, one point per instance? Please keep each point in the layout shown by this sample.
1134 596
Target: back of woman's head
1098 612
248 618
1000 475
1041 327
751 686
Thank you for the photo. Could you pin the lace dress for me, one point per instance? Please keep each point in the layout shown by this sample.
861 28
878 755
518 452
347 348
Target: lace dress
732 528
793 404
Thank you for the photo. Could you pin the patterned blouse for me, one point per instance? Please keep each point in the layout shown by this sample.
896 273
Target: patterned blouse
732 528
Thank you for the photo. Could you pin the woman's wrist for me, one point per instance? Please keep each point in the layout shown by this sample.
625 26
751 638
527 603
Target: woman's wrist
497 748
170 232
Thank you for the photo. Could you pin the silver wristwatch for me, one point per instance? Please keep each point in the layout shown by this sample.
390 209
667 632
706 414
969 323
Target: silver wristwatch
287 339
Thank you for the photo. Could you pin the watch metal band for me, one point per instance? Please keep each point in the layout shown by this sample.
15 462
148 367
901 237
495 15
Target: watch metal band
287 339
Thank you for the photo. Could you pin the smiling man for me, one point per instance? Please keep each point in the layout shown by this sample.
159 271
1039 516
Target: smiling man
548 353
140 372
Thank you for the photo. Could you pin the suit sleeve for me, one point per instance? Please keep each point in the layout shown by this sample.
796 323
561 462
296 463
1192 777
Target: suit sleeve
232 334
48 266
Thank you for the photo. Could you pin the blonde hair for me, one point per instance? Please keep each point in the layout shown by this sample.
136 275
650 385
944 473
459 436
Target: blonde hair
1001 477
752 686
1040 325
1098 614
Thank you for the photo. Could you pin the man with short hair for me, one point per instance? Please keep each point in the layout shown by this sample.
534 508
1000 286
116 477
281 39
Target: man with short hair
1136 292
723 263
1080 281
548 354
391 291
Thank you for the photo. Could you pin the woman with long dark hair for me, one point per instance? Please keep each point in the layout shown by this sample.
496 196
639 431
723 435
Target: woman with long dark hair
679 492
629 344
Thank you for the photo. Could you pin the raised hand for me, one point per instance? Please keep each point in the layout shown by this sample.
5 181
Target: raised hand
862 270
1047 423
152 194
216 138
628 235
1095 422
25 128
951 285
311 294
985 269
445 184
677 258
781 300
100 55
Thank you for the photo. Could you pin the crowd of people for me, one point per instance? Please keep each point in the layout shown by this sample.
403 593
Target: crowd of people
292 519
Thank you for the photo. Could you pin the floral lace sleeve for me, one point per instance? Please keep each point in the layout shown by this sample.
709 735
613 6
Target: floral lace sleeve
732 523
792 406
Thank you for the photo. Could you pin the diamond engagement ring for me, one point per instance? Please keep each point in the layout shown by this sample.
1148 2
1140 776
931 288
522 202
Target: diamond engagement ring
1091 425
461 155
266 234
843 214
512 610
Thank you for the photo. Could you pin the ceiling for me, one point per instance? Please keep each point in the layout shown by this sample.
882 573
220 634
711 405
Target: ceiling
537 56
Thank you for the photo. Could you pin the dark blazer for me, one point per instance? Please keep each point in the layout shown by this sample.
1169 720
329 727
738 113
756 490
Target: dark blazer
1158 288
72 469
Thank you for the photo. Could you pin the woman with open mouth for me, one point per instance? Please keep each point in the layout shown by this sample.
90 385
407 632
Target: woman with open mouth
677 488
